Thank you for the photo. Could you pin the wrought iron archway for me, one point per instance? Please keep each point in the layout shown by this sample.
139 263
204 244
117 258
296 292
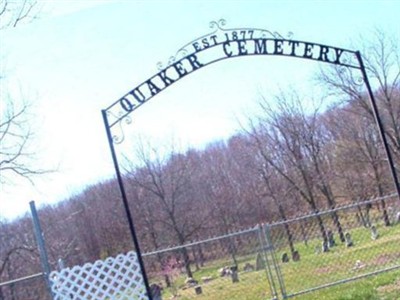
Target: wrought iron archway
219 45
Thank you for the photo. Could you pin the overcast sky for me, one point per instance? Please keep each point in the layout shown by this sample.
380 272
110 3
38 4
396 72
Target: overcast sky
80 56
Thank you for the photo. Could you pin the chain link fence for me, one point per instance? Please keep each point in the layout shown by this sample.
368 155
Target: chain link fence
31 287
283 259
270 261
20 257
233 266
338 246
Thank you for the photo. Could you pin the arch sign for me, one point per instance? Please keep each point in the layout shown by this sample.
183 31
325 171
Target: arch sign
218 45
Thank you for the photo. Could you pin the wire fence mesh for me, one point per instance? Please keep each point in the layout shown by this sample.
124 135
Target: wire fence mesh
339 245
28 288
283 259
229 267
269 261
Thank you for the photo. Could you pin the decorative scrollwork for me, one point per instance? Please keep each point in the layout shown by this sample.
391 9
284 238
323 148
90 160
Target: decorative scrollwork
289 35
266 33
218 24
160 65
118 139
355 80
183 51
358 80
119 136
171 60
349 76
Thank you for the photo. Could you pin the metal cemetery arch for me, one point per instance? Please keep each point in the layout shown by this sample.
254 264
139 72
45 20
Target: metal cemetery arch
219 45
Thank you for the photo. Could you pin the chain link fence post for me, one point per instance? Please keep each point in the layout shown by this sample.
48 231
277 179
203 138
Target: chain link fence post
41 246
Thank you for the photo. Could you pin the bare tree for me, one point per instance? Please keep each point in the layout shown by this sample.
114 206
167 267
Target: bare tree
18 257
382 62
13 13
291 142
358 147
15 137
15 132
17 254
278 190
168 178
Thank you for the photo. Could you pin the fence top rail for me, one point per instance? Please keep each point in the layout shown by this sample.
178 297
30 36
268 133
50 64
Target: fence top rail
191 244
256 227
326 212
21 279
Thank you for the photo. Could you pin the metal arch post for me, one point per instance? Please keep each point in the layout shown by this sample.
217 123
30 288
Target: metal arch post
126 205
379 124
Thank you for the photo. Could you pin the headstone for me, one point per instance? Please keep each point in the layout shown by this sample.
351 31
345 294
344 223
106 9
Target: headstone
198 290
398 218
206 279
348 240
61 264
358 265
155 290
224 271
248 267
260 263
234 274
190 282
296 255
374 232
285 258
325 247
331 239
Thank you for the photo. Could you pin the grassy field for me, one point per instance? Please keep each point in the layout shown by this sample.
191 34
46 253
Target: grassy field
313 270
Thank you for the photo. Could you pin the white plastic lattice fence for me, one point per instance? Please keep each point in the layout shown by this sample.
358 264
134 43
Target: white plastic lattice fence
118 278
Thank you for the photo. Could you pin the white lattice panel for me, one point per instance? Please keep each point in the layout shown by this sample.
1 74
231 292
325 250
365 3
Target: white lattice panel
117 278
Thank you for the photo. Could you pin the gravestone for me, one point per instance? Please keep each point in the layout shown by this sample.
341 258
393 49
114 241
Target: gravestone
155 290
285 258
198 290
234 274
348 240
398 218
248 267
374 233
260 263
325 247
331 239
190 282
206 279
358 265
224 271
296 255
